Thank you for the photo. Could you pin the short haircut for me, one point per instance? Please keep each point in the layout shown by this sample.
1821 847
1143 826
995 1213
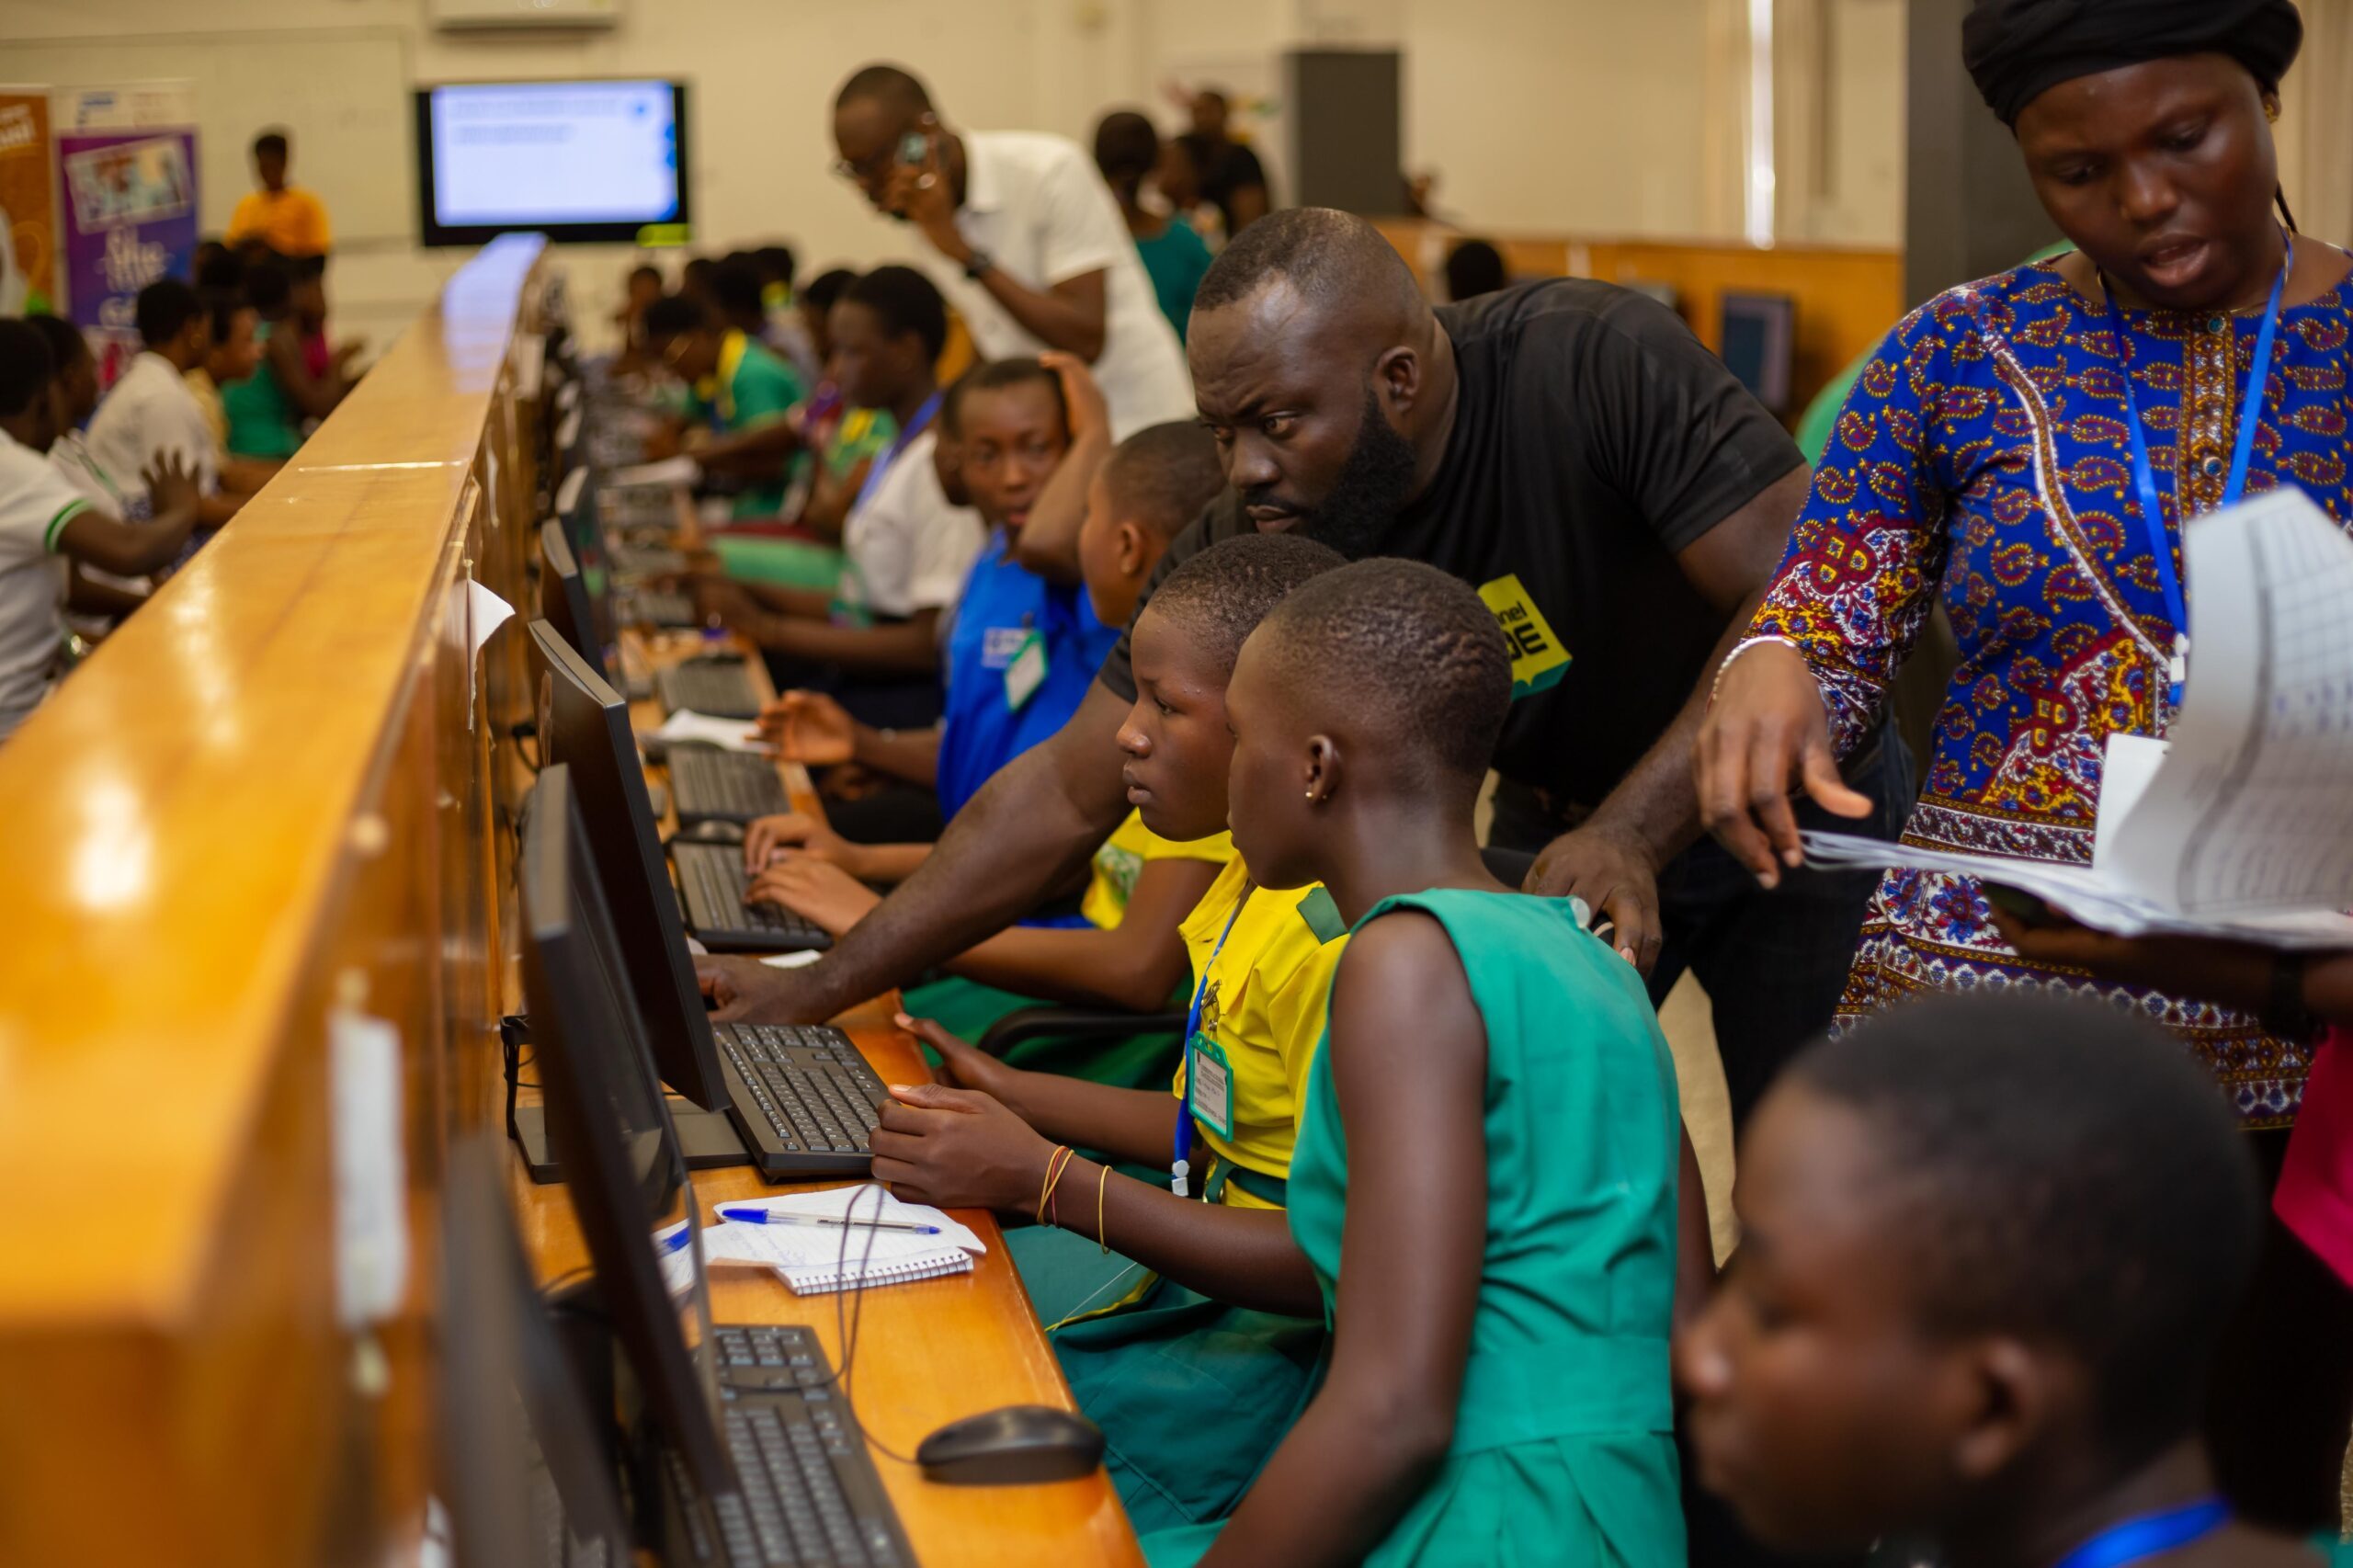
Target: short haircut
1218 596
885 84
997 375
269 282
736 286
1164 475
828 287
1325 255
274 140
26 366
64 339
674 315
2057 1169
164 309
903 301
1475 267
1126 148
219 268
1407 648
777 262
644 269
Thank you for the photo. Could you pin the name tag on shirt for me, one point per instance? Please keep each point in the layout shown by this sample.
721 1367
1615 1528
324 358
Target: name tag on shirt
999 644
1210 1085
1026 672
1539 659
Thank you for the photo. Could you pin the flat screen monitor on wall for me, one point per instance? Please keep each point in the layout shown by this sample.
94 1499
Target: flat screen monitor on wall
586 161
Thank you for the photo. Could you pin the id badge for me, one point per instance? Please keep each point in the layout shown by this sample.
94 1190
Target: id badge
1024 672
1210 1085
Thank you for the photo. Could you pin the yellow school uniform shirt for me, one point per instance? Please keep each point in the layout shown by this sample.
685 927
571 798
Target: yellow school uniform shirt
1268 983
207 399
1111 881
291 222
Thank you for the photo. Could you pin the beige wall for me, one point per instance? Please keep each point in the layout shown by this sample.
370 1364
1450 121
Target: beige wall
1598 115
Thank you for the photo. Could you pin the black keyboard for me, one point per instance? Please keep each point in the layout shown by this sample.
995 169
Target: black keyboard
722 690
711 884
810 1495
707 785
802 1096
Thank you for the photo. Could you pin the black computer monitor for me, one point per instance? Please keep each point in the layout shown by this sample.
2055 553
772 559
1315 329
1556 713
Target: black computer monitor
520 1454
611 1130
1759 336
564 600
585 722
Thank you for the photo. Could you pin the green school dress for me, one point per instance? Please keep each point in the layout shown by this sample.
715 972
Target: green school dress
1563 1454
263 422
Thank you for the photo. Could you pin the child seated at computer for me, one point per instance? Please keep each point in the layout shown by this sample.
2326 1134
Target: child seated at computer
740 394
43 519
149 413
1181 1342
235 355
269 410
1154 484
906 548
1990 1247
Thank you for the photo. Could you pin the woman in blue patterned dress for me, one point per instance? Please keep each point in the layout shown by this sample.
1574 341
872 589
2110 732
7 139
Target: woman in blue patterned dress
1986 460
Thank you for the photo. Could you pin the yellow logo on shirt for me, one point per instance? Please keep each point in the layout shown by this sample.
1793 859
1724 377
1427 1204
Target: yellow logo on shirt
1538 659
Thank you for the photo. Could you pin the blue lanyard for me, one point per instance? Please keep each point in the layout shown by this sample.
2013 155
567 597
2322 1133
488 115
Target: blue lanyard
881 464
2137 1541
2144 477
1181 1165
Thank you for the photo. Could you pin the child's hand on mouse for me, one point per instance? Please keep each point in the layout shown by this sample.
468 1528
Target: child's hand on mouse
956 1149
817 890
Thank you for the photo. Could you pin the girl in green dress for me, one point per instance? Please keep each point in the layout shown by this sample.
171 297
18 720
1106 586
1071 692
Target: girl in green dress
1990 1244
1489 1132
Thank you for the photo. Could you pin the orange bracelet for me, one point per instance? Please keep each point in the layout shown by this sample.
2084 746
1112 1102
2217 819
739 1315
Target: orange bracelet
1055 1163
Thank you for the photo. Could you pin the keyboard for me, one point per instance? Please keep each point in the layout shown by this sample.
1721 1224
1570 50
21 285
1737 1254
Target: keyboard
655 606
802 1096
722 690
707 785
642 560
711 884
809 1497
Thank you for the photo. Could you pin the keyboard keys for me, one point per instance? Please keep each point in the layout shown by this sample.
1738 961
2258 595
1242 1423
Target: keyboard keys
810 1085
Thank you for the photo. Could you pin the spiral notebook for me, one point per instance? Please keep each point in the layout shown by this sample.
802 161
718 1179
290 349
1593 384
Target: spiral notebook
810 1259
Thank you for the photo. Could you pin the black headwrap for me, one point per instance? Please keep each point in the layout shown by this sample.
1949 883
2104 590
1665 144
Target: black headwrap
2016 50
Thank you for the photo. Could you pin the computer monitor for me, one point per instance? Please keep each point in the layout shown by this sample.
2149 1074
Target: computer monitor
565 602
596 161
611 1130
585 723
521 1457
1759 336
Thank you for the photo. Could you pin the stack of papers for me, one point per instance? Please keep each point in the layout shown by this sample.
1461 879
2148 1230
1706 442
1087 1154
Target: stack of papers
817 1258
691 728
2239 824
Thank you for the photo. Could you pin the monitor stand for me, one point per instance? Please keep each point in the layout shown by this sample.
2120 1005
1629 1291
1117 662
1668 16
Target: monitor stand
707 1139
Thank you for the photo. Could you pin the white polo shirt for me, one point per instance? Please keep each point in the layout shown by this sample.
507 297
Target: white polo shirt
906 546
36 502
150 411
1037 206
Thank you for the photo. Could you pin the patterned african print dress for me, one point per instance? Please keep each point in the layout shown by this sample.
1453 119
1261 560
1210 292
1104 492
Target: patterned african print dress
1983 462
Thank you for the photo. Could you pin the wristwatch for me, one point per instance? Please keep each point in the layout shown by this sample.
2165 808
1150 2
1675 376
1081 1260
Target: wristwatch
978 263
2284 1013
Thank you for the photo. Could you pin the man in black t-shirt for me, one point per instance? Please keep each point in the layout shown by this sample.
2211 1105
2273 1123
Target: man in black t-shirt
1230 175
1620 502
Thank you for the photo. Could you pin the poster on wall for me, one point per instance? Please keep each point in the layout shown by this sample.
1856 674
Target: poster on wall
28 215
126 183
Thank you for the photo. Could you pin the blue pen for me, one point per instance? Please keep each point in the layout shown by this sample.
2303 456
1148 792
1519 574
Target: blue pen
771 1217
675 1241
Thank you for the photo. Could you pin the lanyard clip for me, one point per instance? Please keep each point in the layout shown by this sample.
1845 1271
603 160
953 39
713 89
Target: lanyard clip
1177 1172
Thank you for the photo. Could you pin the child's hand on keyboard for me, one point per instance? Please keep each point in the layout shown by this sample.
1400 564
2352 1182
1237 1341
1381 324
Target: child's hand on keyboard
809 728
815 890
767 839
956 1149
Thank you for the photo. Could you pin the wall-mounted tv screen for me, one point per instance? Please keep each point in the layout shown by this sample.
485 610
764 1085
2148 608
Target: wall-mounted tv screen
580 161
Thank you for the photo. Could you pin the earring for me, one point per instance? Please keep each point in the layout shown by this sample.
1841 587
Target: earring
1311 795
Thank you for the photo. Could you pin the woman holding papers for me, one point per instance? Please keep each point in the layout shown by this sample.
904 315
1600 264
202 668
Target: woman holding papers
2025 451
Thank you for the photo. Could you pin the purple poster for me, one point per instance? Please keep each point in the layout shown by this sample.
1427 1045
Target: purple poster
128 218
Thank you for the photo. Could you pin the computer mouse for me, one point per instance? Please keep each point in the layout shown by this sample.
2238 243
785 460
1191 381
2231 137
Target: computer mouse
712 833
1021 1445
